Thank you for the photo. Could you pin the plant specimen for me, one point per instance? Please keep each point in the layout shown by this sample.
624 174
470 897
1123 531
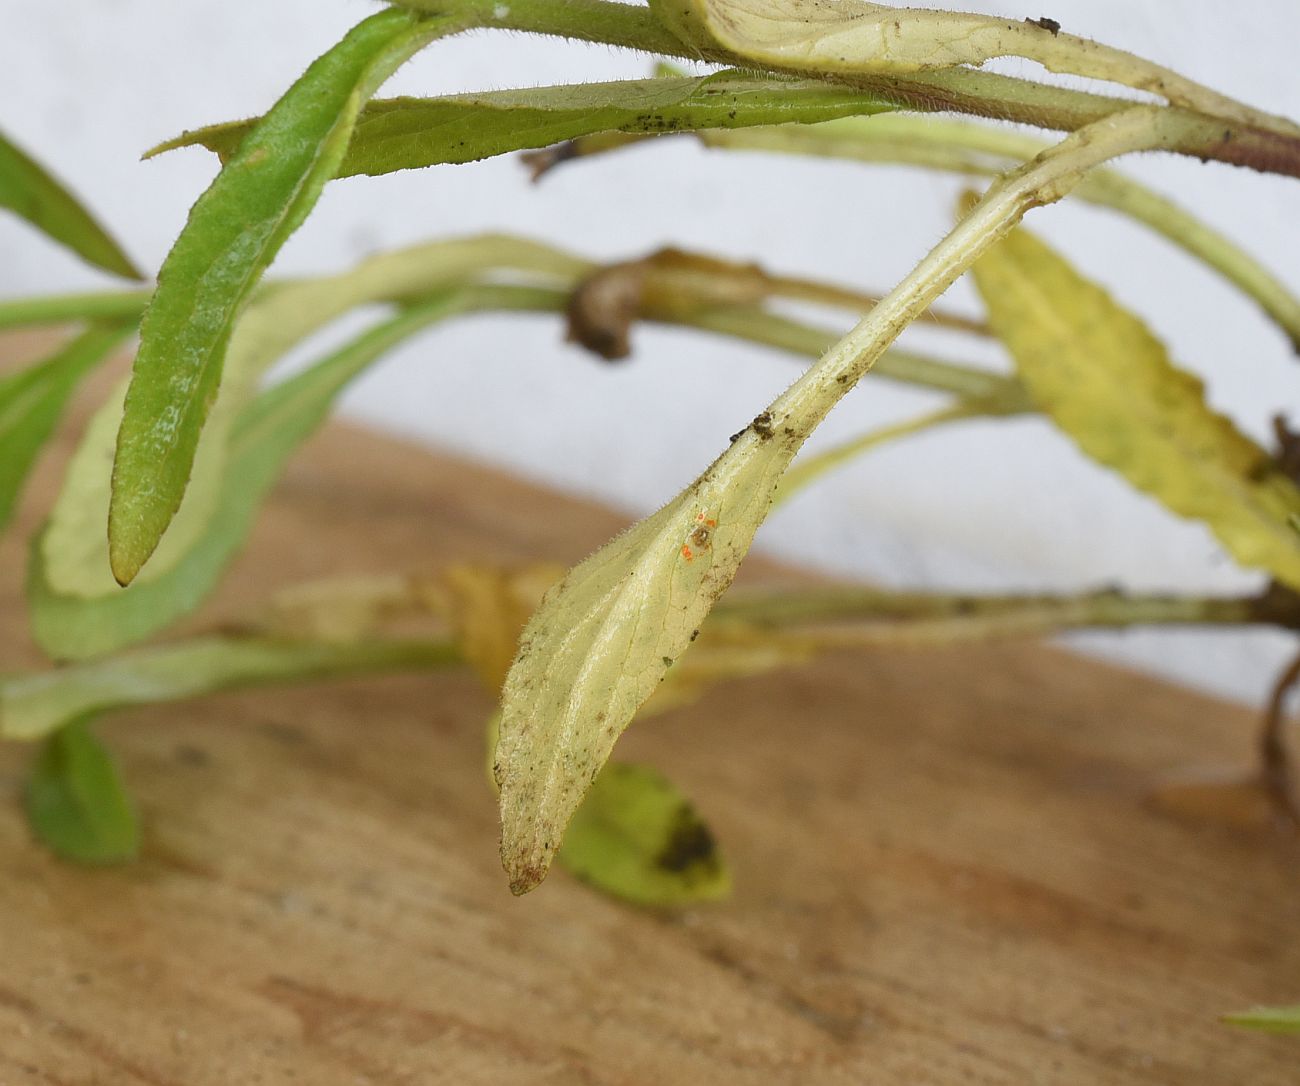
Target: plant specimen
195 440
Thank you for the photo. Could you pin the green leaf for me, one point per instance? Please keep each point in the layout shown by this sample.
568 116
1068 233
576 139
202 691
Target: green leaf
852 37
233 232
30 192
45 703
76 802
1109 384
407 133
32 401
262 438
78 608
1268 1019
636 837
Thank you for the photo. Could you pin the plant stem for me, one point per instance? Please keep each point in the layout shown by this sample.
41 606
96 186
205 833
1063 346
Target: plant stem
981 151
915 619
1278 772
751 323
64 308
1045 180
757 325
962 90
32 706
807 471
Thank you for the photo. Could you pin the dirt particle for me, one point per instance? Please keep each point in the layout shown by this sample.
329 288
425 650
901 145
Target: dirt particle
1050 25
762 425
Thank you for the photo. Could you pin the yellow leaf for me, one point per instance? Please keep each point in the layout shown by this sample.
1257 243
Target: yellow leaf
1108 382
488 606
605 636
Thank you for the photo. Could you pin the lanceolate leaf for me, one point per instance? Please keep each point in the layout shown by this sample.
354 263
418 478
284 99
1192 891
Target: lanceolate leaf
851 37
31 403
636 837
234 231
76 803
262 437
1108 383
74 548
29 191
405 133
1268 1019
606 635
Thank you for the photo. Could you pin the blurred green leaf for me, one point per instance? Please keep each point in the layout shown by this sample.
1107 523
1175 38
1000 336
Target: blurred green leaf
74 549
76 801
101 306
32 193
408 133
32 401
234 231
1109 384
262 437
636 837
1268 1019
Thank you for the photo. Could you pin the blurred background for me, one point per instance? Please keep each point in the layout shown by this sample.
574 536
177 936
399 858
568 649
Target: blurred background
90 84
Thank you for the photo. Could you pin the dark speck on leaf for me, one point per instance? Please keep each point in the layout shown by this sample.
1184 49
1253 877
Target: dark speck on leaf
1050 25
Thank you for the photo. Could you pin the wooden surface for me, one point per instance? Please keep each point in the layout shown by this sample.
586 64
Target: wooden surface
948 868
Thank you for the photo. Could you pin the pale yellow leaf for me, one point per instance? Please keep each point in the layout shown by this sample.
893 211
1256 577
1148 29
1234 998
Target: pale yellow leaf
1108 382
605 636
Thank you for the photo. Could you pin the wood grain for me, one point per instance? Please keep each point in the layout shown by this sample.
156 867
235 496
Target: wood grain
948 868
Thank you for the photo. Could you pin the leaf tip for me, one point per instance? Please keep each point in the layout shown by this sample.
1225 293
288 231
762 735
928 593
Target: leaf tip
526 872
124 560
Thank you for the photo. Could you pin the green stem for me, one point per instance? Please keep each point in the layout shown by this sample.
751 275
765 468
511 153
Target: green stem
32 706
751 323
868 616
807 471
757 325
1045 180
962 90
65 308
981 151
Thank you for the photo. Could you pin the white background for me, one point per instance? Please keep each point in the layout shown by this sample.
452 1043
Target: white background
88 84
